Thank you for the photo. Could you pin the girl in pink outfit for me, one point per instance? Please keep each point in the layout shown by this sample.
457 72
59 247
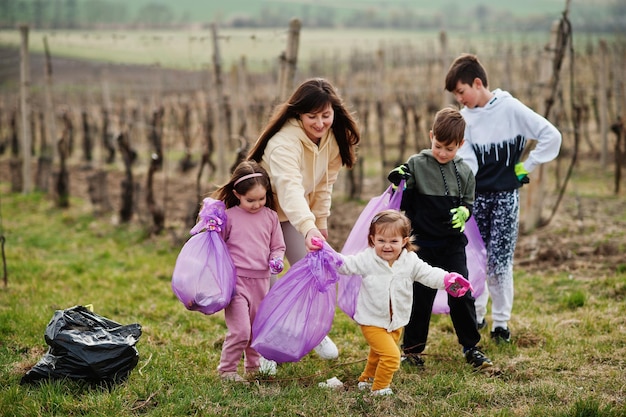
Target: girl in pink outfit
255 242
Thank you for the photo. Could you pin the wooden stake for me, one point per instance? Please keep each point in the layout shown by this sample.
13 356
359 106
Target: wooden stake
49 113
289 60
27 183
222 138
603 106
532 196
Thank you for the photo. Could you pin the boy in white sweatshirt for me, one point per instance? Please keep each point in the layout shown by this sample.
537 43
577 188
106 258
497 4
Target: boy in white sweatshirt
498 127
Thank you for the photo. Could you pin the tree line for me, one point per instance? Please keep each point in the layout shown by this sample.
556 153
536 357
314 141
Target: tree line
90 14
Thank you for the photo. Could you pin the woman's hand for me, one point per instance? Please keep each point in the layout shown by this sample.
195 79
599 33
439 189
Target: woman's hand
312 236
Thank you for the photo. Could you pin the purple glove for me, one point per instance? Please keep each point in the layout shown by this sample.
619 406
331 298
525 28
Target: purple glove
276 265
456 285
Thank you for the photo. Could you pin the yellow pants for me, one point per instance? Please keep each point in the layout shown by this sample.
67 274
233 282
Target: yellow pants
384 357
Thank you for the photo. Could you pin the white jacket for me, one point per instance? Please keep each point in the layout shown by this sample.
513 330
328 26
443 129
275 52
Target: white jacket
386 295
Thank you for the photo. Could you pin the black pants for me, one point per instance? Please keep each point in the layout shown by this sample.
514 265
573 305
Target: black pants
462 310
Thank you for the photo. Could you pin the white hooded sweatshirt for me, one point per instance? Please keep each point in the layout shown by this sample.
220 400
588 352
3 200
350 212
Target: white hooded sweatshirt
495 137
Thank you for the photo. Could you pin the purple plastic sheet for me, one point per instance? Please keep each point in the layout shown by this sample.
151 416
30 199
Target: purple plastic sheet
476 264
204 276
348 286
298 311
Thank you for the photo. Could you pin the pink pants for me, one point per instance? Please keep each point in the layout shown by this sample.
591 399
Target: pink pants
239 315
384 357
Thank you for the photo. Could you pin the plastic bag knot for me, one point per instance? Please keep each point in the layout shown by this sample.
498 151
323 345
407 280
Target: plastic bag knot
212 216
323 265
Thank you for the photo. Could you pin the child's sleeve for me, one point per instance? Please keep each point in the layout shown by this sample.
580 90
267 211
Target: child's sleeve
277 242
427 275
352 264
467 153
547 135
469 190
224 231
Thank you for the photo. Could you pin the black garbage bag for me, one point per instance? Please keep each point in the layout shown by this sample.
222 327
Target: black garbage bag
88 347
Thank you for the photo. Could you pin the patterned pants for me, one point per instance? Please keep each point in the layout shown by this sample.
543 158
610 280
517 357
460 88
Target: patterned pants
497 217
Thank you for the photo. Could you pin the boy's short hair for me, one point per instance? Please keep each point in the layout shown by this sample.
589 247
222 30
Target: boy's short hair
466 68
449 126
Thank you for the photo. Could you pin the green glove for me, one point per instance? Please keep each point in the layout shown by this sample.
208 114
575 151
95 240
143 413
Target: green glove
398 174
459 217
522 174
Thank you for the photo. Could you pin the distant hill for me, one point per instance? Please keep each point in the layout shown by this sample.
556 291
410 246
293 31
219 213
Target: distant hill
477 15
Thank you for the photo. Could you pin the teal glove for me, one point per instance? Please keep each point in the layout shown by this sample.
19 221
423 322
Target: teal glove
398 174
459 217
522 174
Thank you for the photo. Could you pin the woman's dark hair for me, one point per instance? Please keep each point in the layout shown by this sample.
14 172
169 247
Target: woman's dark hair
312 96
225 192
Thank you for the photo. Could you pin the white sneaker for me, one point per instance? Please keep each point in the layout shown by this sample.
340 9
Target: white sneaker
232 377
327 349
267 366
333 382
384 391
363 385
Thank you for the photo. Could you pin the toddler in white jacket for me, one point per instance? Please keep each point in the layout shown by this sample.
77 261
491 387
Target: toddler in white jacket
388 269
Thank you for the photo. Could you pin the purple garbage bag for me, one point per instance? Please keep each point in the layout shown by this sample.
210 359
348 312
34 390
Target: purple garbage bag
298 310
204 276
348 286
476 264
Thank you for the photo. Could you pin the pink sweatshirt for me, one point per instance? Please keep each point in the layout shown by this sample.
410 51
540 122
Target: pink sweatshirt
253 239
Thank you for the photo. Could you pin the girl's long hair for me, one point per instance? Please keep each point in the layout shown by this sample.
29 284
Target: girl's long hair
312 96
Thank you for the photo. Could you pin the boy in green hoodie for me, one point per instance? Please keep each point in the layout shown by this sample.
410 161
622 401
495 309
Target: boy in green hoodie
438 199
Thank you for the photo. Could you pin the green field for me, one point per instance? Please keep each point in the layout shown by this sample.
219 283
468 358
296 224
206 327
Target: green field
202 11
191 46
260 47
474 15
209 10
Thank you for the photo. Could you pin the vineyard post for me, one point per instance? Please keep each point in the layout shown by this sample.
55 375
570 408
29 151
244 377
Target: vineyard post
25 107
107 111
603 104
243 89
222 139
49 105
443 60
533 195
290 59
47 152
380 113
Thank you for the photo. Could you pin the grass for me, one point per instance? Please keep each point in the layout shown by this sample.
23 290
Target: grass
566 359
